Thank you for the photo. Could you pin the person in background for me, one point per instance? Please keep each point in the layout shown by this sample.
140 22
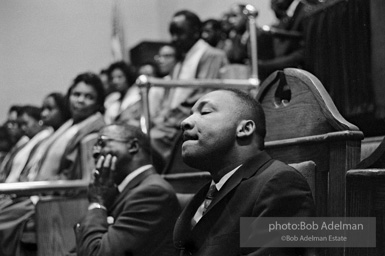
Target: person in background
17 137
236 45
30 122
54 113
212 33
61 159
126 187
148 68
86 104
288 44
224 135
122 78
5 143
198 60
166 60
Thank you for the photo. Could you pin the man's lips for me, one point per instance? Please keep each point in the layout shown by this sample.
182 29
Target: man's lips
188 136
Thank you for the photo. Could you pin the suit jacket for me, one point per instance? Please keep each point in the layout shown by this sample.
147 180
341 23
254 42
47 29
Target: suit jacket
261 187
144 217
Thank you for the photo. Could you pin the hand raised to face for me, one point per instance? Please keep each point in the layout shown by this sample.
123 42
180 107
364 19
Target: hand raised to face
103 189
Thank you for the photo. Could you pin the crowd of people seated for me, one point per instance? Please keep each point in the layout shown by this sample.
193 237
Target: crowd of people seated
42 143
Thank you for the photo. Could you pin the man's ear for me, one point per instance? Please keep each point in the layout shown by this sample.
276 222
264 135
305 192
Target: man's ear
133 147
245 128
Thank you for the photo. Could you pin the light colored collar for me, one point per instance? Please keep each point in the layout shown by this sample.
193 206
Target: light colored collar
290 11
131 176
225 178
24 139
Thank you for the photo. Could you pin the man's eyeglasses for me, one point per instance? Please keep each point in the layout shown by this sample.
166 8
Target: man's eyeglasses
102 140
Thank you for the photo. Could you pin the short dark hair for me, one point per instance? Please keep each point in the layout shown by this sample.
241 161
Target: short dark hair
128 70
130 131
256 113
94 81
192 19
31 111
215 23
61 103
16 108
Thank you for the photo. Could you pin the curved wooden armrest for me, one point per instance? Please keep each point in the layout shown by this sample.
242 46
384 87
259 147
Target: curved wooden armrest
36 187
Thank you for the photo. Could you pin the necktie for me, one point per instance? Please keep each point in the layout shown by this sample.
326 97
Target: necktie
203 207
209 198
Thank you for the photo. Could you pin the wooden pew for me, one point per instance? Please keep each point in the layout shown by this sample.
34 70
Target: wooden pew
366 197
304 124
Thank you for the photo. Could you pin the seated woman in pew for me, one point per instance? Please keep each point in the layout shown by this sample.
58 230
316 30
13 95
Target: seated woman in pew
61 159
85 98
32 126
54 114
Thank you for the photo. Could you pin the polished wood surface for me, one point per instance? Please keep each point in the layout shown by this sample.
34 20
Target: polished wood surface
366 197
304 124
55 219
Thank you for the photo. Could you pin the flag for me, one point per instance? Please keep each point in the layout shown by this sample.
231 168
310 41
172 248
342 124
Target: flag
117 38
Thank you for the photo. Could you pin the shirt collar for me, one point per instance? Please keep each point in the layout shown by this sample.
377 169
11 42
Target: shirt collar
132 175
223 180
290 11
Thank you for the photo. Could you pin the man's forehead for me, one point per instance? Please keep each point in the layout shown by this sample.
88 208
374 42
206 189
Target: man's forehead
219 97
114 131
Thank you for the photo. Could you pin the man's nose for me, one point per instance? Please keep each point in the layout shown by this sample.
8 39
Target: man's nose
186 124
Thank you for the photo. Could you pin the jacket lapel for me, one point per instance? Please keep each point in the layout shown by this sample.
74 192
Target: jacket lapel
248 169
132 184
183 226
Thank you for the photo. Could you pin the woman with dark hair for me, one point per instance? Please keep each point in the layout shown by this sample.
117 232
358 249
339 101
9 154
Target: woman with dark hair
54 113
85 99
61 159
122 78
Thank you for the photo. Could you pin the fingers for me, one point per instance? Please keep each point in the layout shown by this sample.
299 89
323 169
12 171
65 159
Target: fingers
113 167
105 168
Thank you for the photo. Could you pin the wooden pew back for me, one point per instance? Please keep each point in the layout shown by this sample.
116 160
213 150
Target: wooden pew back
366 197
303 124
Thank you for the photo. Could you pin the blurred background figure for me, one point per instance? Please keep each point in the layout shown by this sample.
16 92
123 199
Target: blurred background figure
122 77
32 126
287 35
212 33
148 69
5 143
103 74
17 138
54 113
238 35
166 60
62 159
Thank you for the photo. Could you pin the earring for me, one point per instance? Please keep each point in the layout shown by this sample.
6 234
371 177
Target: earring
40 122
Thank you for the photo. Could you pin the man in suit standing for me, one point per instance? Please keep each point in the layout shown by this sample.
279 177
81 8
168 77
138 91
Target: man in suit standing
132 209
288 42
198 60
224 135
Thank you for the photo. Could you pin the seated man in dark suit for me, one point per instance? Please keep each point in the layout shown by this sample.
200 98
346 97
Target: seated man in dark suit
141 207
224 135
